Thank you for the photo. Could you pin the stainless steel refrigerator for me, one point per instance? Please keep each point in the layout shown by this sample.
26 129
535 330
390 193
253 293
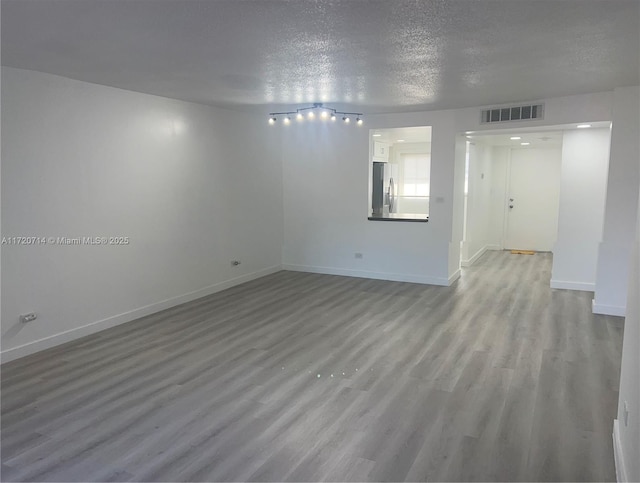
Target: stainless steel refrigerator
383 198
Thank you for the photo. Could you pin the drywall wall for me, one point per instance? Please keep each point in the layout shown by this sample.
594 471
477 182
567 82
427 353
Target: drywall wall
478 203
500 156
626 434
579 108
326 181
585 162
457 215
179 180
620 210
182 182
1 247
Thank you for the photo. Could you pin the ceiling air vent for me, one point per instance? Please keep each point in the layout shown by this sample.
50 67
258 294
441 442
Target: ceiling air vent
516 113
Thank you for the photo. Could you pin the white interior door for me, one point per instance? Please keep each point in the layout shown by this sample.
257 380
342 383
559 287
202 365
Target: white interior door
533 197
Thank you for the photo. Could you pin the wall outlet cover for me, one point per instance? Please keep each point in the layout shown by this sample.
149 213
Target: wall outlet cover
24 318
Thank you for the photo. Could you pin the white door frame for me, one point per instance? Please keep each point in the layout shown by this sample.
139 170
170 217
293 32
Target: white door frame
505 201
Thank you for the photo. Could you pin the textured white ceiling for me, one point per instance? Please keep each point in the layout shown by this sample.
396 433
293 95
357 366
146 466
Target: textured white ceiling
378 56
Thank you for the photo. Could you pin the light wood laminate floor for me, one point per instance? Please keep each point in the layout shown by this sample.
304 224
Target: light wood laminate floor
307 377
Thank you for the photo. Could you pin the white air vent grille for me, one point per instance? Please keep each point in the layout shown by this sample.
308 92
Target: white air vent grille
515 113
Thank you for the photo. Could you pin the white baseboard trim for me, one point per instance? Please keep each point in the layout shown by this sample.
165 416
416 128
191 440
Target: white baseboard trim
93 327
347 272
602 309
474 258
494 247
454 276
582 286
618 455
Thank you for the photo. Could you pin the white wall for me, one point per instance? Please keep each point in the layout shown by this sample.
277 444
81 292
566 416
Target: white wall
87 159
620 210
478 221
457 215
585 162
326 179
1 248
548 159
181 180
626 435
558 110
585 157
500 156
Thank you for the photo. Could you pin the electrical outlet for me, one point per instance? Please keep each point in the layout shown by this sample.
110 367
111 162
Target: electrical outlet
24 318
358 255
625 413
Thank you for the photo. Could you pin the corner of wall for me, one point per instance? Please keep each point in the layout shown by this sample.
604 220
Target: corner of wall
474 258
100 325
618 454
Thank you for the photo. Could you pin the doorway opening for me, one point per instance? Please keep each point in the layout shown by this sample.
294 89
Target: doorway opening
536 190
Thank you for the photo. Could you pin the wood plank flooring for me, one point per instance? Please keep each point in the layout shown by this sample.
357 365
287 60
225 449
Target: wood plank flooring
307 377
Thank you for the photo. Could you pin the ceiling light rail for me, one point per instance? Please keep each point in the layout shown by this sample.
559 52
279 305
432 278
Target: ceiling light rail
316 110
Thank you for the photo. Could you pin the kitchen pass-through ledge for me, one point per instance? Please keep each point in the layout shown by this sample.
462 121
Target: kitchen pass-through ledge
401 217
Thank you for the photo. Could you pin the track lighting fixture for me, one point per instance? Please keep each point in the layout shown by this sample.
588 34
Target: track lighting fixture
323 112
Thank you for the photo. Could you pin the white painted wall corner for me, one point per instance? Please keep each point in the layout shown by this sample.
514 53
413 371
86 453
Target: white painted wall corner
100 325
621 471
453 277
474 258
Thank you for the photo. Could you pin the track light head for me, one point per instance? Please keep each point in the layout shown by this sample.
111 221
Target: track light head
317 110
